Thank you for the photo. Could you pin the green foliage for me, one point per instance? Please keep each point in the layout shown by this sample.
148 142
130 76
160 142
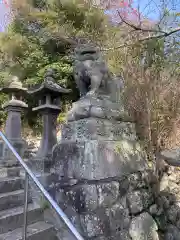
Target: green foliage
42 35
62 118
44 204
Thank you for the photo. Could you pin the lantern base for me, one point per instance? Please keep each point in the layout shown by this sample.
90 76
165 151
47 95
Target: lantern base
7 158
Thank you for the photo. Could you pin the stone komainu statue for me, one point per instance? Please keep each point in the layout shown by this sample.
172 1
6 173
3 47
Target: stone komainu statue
90 71
100 91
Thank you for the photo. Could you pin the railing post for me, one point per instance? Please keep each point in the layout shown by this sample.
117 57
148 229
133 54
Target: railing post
25 206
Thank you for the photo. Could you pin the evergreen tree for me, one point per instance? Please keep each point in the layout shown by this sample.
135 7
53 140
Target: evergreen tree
43 34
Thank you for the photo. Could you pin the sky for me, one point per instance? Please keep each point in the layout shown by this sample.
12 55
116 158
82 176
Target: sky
151 8
4 14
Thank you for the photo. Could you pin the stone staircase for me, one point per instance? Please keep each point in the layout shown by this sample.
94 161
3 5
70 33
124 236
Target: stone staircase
11 212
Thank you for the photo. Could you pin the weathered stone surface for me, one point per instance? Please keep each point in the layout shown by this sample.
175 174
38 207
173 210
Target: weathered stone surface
172 157
178 224
123 235
154 210
165 200
74 217
143 227
95 224
119 217
173 187
135 202
124 187
13 124
100 238
172 233
7 158
38 230
173 177
147 197
139 200
136 180
164 183
84 198
108 193
13 171
97 129
173 214
162 222
49 138
98 159
101 107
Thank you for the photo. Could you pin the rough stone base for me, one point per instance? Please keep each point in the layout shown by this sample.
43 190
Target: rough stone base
166 211
103 181
118 209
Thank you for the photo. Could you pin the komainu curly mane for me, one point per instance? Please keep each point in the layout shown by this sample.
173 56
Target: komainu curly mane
90 71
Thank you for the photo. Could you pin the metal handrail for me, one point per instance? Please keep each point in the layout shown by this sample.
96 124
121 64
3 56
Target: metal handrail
29 173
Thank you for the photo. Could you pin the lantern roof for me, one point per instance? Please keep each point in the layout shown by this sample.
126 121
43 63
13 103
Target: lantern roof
14 87
48 86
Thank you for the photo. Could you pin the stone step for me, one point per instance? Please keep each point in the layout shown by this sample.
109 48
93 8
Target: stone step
13 171
11 184
12 199
10 171
36 231
11 219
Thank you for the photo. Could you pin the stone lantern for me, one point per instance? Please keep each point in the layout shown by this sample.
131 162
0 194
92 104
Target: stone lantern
48 95
14 108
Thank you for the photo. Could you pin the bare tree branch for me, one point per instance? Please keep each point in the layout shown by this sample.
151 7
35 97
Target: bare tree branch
138 28
158 36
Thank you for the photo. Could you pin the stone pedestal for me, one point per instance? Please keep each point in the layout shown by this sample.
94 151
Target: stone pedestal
49 138
102 175
13 107
43 159
101 106
99 149
13 133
